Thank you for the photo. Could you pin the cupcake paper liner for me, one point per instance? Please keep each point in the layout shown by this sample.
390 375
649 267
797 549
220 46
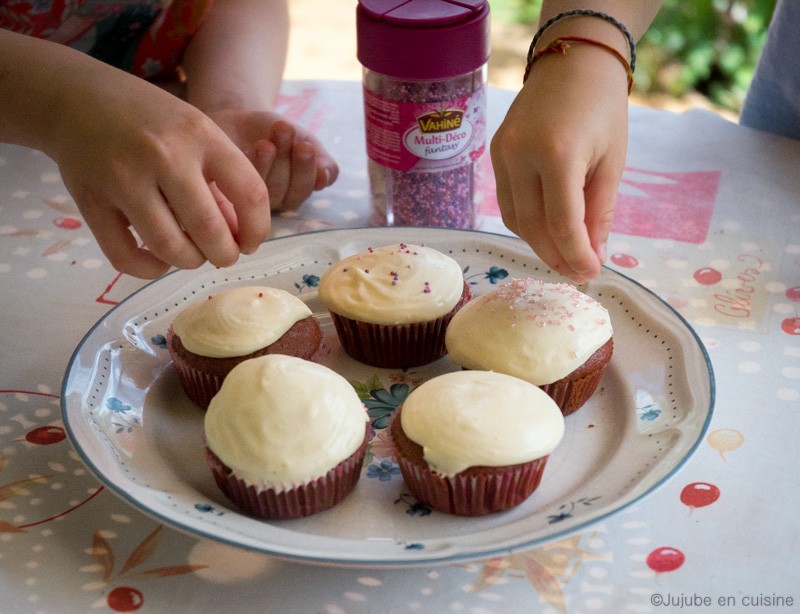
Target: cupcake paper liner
572 392
477 491
300 501
397 346
201 384
571 395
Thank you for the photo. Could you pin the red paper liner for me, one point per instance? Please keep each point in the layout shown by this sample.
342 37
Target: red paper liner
476 491
201 376
396 346
572 392
302 500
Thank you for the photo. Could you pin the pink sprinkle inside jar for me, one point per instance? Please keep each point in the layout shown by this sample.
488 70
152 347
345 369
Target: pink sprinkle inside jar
424 78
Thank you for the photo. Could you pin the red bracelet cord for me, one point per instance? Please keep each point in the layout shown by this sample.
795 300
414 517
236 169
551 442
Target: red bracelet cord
561 45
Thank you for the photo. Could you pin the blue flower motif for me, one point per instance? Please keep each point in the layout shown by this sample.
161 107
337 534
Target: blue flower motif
309 281
414 546
495 274
159 341
383 403
120 409
418 509
117 406
203 507
650 412
384 472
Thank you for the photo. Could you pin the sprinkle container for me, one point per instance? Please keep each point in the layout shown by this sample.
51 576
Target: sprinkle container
424 80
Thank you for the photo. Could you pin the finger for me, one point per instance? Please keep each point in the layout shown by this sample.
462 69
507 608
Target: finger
262 155
197 216
247 194
505 198
565 218
531 226
521 205
280 172
225 207
118 243
601 199
327 171
302 179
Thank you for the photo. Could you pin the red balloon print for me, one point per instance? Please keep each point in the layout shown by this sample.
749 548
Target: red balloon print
699 494
624 260
67 223
707 276
46 435
665 559
791 326
125 599
793 294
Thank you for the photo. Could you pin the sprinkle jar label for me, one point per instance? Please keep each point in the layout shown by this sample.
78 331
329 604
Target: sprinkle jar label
425 136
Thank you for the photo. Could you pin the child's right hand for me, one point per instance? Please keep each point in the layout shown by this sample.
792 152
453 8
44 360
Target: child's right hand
136 157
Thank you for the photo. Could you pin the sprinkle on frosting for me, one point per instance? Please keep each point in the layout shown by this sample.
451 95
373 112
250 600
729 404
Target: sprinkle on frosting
466 419
535 330
369 286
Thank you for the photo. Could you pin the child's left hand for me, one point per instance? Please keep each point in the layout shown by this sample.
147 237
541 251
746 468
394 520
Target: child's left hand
291 160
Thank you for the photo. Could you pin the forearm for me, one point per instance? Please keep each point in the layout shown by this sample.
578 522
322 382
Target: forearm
236 59
637 15
36 77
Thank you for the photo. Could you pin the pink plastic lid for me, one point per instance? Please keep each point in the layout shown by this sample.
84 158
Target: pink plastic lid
423 39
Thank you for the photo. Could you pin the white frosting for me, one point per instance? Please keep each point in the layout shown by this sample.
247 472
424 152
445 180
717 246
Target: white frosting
238 321
480 418
395 284
537 331
280 421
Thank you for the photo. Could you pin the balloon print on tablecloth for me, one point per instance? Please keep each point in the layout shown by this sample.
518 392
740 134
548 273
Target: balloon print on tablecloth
699 494
625 261
63 480
665 559
791 326
725 440
707 276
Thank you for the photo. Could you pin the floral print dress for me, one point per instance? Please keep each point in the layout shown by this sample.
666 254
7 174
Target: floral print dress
143 37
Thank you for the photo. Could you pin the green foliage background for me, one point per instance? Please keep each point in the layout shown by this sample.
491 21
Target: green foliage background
705 46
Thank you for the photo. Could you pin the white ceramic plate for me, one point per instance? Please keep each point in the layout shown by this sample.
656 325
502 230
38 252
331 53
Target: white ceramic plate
129 419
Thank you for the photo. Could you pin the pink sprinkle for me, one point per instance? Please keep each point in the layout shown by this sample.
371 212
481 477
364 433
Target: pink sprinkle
370 250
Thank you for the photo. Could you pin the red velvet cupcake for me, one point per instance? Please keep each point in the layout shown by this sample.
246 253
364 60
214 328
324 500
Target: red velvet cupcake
549 334
285 437
474 443
391 306
210 337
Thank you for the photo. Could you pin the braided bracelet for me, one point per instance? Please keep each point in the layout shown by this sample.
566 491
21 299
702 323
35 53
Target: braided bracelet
589 13
561 45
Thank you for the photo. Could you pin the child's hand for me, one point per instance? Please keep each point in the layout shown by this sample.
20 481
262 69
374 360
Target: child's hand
145 160
558 158
291 160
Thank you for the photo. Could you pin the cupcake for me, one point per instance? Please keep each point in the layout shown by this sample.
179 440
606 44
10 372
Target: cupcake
549 334
285 437
210 337
475 442
391 305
